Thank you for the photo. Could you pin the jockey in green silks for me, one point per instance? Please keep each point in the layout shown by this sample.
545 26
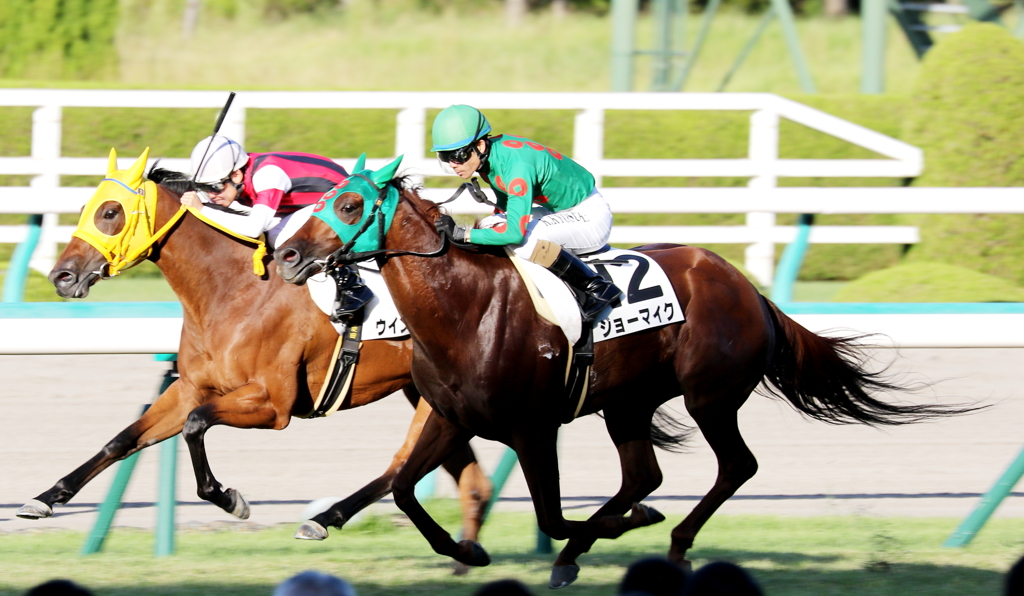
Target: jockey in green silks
548 208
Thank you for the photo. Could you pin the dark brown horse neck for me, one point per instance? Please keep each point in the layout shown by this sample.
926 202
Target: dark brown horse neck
470 316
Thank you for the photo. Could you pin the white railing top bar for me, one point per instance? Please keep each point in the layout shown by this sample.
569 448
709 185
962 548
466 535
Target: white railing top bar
105 98
783 107
696 168
825 200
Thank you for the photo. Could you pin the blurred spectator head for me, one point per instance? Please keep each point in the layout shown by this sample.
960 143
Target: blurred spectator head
722 579
654 576
59 587
314 583
503 587
1014 585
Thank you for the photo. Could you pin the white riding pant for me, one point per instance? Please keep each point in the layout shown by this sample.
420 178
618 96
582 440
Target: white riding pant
582 229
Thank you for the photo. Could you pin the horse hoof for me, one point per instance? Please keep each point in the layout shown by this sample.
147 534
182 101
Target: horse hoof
652 515
311 531
239 506
563 575
34 510
460 568
472 554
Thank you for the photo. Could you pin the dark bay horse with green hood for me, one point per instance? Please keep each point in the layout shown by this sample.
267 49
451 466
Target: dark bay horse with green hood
492 367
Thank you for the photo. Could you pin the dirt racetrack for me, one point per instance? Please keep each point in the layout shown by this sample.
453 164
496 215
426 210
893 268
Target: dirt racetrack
59 410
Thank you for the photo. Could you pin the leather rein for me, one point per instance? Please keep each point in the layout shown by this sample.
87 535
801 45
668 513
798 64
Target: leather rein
342 256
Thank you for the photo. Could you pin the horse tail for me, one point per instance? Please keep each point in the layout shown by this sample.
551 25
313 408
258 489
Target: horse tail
825 378
669 434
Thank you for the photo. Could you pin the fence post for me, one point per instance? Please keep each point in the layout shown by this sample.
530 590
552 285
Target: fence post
167 499
764 151
46 140
965 532
792 259
108 508
588 141
410 134
872 22
17 268
623 44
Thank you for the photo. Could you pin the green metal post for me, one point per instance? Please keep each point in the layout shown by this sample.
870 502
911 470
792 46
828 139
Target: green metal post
623 43
765 20
498 479
426 487
1018 30
792 258
17 269
544 546
112 502
989 502
662 11
167 499
872 17
785 15
914 27
698 44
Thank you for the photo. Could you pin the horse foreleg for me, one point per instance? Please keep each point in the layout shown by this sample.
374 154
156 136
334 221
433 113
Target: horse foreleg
439 439
475 488
248 406
342 511
736 465
640 477
162 420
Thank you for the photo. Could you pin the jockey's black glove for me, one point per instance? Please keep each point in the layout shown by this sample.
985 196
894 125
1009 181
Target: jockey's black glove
446 226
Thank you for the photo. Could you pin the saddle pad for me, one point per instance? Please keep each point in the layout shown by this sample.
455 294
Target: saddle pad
648 300
380 320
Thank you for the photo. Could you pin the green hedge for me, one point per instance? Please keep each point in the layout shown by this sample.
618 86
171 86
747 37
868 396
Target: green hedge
930 282
628 134
968 116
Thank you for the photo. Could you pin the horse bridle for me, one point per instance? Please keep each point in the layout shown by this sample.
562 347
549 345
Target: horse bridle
342 257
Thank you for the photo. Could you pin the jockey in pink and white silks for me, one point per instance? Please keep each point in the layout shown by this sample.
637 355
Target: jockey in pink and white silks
253 193
548 208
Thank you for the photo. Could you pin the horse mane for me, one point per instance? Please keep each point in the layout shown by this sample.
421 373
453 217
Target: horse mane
406 187
176 182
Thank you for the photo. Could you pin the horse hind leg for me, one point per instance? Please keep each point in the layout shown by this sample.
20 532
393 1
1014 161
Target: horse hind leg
246 407
736 465
162 420
640 477
539 461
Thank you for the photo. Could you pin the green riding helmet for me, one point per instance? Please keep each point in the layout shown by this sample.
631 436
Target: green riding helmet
457 126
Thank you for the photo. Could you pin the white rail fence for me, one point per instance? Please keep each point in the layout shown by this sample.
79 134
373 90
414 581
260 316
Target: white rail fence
761 200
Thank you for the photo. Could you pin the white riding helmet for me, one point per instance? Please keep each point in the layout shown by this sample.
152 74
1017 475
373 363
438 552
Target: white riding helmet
222 157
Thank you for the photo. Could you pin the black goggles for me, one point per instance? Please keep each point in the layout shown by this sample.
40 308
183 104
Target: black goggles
460 155
214 187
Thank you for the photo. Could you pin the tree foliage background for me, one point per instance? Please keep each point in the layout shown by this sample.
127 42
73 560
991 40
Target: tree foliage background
57 39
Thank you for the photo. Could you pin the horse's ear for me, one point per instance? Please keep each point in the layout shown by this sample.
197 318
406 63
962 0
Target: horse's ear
381 176
112 164
134 174
360 164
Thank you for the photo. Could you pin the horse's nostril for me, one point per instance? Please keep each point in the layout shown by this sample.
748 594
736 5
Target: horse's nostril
64 278
289 255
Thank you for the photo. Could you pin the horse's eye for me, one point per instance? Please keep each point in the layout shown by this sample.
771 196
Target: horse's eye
110 214
348 208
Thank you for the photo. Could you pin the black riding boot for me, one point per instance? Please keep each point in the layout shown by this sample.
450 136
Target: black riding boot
351 294
593 291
